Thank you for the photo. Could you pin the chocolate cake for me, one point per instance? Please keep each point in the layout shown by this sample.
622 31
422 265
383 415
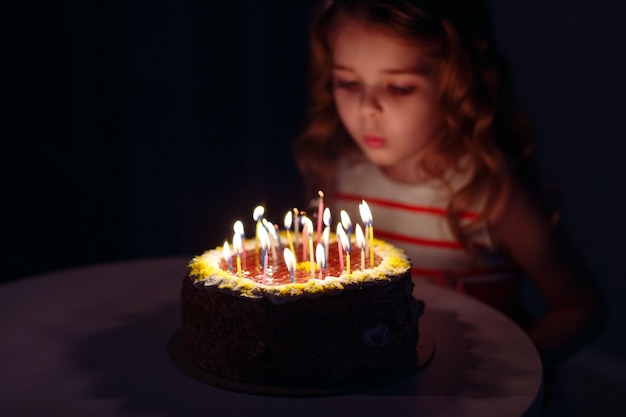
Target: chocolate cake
269 325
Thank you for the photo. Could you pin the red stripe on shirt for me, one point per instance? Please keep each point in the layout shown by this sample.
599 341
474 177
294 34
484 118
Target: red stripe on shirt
402 206
450 244
439 273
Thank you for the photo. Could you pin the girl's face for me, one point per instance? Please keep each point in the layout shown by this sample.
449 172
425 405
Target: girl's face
385 91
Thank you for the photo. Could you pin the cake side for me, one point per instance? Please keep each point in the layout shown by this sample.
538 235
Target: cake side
313 342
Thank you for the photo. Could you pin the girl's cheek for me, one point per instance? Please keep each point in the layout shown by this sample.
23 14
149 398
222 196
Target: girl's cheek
346 103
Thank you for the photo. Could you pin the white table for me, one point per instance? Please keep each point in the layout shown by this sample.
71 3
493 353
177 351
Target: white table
92 341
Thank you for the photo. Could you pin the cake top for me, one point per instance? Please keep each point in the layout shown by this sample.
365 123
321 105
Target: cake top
341 271
287 265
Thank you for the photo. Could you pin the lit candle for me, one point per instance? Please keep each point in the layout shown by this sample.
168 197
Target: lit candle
360 241
288 222
326 239
276 234
228 257
326 217
237 246
238 229
307 231
347 224
344 243
320 258
326 233
307 237
271 231
264 241
366 216
340 233
320 211
296 226
257 215
290 261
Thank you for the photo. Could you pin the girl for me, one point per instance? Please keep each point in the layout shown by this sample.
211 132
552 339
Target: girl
411 111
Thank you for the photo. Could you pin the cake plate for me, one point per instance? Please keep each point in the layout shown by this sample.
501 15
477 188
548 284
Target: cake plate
425 351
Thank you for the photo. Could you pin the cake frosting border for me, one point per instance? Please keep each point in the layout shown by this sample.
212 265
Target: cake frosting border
206 273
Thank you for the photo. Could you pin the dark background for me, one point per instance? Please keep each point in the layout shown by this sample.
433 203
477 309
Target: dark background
145 128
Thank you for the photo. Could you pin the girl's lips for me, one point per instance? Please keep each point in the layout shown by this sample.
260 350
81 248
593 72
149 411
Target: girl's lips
372 141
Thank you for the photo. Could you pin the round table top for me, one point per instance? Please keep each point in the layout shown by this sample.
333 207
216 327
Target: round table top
93 341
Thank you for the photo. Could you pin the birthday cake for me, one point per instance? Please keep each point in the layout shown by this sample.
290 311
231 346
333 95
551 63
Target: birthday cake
331 318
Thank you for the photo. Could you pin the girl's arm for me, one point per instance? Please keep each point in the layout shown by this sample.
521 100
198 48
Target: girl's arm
576 309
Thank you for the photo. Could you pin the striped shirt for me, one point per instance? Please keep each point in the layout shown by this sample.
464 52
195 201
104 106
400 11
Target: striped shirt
413 218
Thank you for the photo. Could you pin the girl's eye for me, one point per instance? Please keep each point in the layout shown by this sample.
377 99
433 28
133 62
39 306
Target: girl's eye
400 90
347 85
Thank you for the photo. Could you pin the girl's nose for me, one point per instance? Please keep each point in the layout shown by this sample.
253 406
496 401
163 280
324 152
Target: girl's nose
370 104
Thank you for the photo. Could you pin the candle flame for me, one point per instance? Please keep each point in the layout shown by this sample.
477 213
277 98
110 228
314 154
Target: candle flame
237 245
290 260
226 252
326 217
258 213
340 230
360 238
307 225
264 238
345 219
343 238
366 214
288 220
270 228
326 235
238 228
320 256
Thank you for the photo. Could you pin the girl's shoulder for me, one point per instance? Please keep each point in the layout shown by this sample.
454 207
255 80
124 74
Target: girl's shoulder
523 216
522 195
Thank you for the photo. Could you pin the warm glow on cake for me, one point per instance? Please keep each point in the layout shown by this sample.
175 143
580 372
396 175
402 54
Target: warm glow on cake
210 271
295 290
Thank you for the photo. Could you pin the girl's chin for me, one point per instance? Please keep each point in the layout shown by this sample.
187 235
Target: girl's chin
398 170
379 159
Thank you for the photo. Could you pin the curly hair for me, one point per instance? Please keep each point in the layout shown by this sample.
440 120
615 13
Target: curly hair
475 99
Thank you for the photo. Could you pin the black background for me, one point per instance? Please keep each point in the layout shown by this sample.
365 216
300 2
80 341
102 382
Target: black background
146 128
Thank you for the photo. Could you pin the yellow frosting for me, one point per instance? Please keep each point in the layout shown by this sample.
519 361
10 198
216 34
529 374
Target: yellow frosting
207 273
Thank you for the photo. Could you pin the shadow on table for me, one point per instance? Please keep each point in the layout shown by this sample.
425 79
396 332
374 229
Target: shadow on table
130 362
456 369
